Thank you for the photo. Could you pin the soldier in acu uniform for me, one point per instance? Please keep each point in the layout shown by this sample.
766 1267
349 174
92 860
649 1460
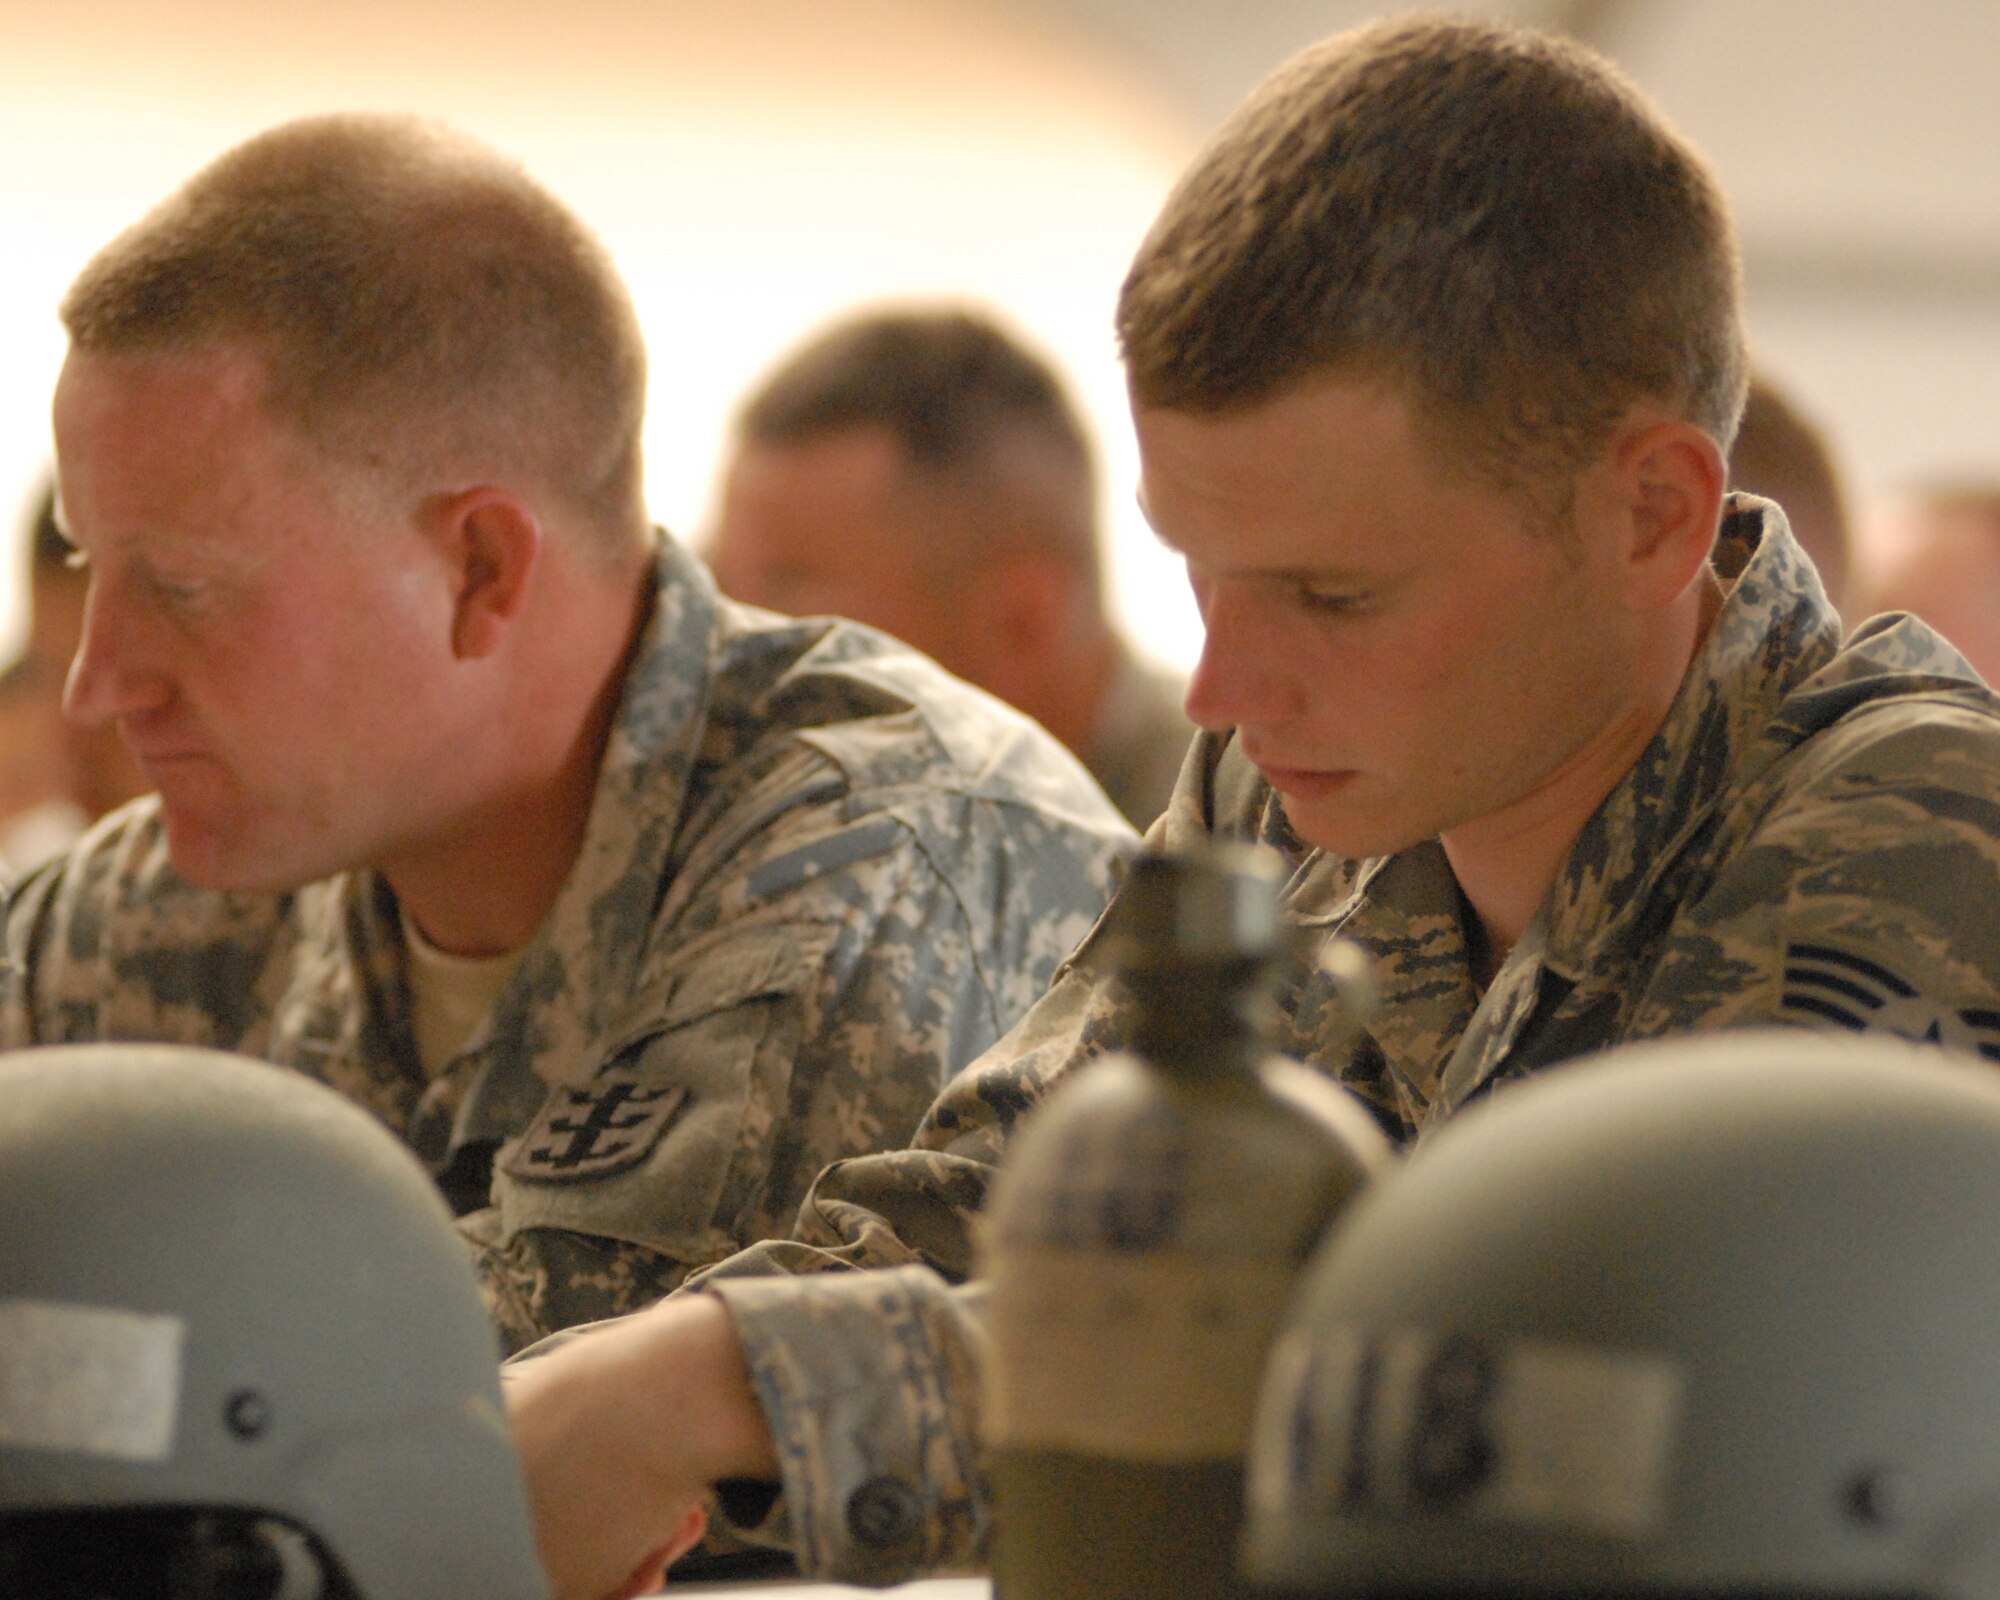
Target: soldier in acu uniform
1435 355
476 802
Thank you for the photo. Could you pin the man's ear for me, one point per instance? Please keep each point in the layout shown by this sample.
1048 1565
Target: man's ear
1669 479
492 540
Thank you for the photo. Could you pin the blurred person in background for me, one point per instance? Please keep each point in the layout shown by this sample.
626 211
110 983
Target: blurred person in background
1783 455
1935 552
56 778
922 471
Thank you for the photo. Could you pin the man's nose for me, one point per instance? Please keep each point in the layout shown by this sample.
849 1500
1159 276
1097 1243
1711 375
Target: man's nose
108 678
1243 675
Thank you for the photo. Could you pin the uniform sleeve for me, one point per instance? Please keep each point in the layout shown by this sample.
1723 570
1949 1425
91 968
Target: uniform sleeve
24 927
107 942
870 1379
871 1384
815 996
1868 898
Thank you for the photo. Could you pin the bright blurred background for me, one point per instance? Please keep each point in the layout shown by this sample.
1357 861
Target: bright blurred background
758 165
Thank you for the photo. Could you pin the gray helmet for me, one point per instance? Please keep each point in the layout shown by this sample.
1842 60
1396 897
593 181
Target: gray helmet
1712 1316
240 1344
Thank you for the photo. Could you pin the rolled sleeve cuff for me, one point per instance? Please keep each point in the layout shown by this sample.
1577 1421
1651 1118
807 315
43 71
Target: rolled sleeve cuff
870 1383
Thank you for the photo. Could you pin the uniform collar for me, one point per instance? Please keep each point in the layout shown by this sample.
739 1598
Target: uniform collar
1775 628
582 964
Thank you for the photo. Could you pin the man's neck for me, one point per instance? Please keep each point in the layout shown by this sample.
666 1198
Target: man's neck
1507 863
486 890
484 885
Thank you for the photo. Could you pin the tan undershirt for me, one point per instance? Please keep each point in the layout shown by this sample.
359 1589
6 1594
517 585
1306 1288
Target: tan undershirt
449 994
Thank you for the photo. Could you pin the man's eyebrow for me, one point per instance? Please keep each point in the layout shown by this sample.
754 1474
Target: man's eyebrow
1329 577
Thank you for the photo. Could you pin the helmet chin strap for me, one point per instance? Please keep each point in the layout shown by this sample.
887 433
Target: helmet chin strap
301 1576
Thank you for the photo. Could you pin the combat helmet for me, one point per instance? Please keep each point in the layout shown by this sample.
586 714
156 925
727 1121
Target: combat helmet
1709 1317
242 1354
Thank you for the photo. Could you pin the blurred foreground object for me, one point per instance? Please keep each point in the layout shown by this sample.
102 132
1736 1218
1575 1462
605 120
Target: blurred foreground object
1713 1317
241 1350
1143 1236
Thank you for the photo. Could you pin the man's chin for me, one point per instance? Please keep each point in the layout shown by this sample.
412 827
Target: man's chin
1348 830
205 869
218 859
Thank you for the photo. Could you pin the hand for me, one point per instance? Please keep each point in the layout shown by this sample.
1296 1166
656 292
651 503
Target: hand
621 1432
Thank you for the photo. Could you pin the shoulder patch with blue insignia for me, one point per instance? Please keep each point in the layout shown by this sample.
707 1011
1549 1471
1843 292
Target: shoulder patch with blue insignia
1825 983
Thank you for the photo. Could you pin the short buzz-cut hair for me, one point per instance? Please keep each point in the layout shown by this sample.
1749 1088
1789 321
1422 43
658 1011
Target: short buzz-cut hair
414 298
949 384
1491 221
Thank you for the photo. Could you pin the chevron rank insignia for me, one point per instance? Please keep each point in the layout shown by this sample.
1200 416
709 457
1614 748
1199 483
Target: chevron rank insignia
605 1126
1826 984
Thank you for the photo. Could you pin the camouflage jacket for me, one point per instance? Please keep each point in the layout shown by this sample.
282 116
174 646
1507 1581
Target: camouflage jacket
1812 838
818 876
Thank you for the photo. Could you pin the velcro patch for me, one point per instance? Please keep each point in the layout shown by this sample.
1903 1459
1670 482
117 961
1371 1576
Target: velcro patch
1356 1422
1828 984
605 1126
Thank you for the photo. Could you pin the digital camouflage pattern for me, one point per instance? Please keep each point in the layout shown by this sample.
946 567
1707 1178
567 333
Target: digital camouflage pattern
819 875
1813 838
